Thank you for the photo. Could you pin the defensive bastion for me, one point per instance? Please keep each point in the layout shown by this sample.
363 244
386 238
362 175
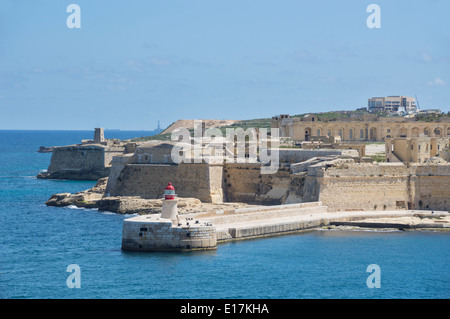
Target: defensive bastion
89 160
310 189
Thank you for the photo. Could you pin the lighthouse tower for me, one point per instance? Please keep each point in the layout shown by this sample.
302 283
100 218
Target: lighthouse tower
169 205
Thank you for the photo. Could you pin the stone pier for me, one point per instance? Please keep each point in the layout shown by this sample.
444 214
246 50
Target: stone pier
205 230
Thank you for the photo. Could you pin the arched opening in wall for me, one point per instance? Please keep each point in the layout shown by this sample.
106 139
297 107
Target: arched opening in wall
415 132
438 132
448 131
307 133
361 134
403 132
373 134
330 133
426 131
341 133
319 131
350 134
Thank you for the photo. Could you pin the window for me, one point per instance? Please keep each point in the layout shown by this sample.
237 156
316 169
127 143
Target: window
361 134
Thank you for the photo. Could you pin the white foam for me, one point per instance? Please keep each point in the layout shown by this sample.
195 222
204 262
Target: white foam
355 229
74 207
107 213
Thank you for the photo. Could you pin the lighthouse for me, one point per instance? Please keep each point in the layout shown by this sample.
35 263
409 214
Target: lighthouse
163 232
169 205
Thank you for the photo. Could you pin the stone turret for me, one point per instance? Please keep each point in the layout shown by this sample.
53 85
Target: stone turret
99 135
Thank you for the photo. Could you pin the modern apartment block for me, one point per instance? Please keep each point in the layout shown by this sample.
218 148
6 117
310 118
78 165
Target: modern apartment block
392 104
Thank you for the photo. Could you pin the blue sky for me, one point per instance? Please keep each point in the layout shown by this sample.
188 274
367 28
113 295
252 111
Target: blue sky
135 62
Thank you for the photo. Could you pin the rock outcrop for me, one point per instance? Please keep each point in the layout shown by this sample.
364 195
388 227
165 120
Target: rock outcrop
96 198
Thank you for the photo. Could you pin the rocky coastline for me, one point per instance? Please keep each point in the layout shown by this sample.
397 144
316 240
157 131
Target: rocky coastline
95 197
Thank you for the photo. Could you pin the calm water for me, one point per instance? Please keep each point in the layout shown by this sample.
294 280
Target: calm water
37 243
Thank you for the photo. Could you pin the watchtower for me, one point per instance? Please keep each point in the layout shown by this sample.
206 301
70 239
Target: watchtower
99 135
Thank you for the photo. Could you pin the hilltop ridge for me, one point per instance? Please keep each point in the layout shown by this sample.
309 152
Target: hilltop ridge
189 124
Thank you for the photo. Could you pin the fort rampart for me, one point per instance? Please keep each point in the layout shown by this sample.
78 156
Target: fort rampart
358 130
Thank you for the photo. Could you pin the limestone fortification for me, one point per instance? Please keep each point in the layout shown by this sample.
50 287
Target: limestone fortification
89 160
312 187
342 183
364 128
341 179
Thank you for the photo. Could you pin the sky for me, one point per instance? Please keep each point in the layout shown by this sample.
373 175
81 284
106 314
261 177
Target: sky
132 63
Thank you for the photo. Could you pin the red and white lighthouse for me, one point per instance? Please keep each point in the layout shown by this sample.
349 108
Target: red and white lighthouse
169 204
169 192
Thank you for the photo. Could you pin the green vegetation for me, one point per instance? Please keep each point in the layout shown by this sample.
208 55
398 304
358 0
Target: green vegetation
334 115
246 124
256 123
379 158
162 137
431 117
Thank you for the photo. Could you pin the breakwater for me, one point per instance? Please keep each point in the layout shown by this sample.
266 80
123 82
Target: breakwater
201 231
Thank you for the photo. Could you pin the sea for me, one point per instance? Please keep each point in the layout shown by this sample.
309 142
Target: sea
42 248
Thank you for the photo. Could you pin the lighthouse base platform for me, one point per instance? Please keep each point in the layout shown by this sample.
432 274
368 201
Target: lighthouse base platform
153 233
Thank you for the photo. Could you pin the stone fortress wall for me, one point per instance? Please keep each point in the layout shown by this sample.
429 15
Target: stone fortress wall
82 162
415 149
366 128
340 179
384 186
136 175
89 160
201 181
75 162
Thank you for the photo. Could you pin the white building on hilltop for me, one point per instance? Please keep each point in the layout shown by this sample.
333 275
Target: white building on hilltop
392 104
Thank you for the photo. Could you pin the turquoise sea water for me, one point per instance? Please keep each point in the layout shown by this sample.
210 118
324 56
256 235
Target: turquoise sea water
37 243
